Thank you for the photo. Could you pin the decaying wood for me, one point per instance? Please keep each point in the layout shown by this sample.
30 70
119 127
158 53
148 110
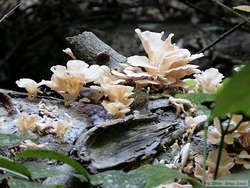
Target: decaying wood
103 142
88 47
23 105
114 143
119 142
96 114
6 101
95 138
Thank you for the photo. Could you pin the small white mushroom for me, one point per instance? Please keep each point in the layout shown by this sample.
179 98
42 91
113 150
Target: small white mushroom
185 150
69 52
30 85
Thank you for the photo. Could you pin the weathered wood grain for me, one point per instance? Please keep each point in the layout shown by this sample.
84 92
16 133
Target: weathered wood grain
120 142
88 47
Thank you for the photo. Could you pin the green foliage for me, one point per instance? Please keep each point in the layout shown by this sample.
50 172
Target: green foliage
147 176
197 98
245 8
157 174
203 110
234 96
190 82
113 178
48 154
33 169
240 174
42 170
14 167
9 139
18 183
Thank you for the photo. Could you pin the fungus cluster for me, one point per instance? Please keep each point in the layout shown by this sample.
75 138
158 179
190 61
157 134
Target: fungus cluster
205 82
47 121
166 65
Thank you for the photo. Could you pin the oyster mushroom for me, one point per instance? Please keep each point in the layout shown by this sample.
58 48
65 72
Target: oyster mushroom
208 80
26 122
31 87
166 63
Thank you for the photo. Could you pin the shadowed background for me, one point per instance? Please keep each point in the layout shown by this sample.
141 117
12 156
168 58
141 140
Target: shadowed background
32 38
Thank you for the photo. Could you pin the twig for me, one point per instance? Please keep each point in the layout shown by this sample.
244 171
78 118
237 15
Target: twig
224 132
232 11
10 12
205 13
235 128
221 37
219 156
205 153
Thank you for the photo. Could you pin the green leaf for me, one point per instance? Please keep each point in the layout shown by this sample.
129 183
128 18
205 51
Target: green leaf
245 8
48 154
197 98
79 176
113 178
240 174
234 96
190 82
12 139
14 167
17 183
155 175
42 170
147 176
203 110
9 139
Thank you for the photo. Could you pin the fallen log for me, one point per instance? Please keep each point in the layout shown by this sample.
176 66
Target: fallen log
121 142
104 143
95 138
88 47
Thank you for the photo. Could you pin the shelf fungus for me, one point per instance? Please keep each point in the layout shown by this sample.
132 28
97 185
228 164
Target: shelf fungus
101 75
166 63
67 81
31 87
208 80
119 99
205 82
61 127
26 122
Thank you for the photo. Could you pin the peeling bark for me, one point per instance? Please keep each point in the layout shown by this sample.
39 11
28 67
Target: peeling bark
119 142
99 141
